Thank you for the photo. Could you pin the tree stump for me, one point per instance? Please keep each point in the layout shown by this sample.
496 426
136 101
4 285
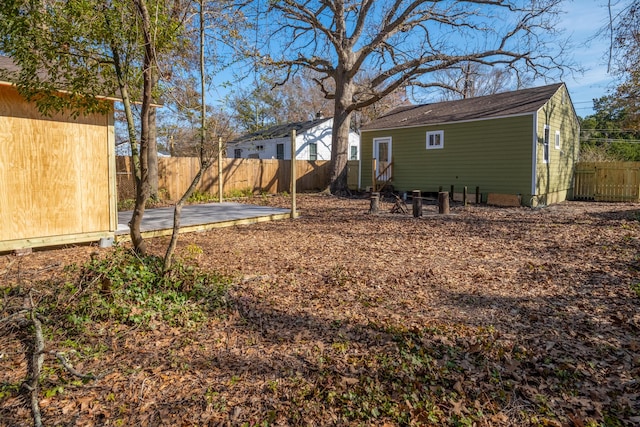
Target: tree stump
374 203
417 203
443 202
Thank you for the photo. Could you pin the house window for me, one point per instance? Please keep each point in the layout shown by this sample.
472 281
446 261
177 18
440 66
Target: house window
280 151
557 144
237 153
435 139
353 155
260 147
545 144
313 151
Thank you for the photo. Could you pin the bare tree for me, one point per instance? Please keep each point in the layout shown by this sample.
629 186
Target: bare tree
471 79
623 29
402 42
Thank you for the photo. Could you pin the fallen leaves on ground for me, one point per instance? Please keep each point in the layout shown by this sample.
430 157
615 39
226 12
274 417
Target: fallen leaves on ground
487 317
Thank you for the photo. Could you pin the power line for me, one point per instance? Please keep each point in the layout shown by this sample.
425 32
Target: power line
610 130
626 141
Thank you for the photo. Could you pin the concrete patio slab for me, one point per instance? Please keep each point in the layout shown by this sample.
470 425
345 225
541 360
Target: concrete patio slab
159 221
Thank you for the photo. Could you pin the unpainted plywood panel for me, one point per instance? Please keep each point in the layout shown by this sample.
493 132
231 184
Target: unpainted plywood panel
54 172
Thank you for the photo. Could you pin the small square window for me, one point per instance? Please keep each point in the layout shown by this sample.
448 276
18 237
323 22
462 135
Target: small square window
435 139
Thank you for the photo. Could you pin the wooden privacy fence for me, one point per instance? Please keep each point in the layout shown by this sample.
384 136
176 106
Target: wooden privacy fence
607 181
271 176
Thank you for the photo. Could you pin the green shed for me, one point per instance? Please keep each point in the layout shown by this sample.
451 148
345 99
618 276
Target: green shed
522 143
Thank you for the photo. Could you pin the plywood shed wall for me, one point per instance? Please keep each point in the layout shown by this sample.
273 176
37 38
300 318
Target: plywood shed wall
57 176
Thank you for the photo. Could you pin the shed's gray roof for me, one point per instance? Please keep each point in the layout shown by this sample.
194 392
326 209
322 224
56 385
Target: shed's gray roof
481 107
9 71
7 66
280 131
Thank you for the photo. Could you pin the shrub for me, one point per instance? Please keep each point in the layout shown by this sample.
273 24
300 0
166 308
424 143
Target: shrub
130 289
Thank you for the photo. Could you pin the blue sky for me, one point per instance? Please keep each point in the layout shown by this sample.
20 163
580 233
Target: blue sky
582 20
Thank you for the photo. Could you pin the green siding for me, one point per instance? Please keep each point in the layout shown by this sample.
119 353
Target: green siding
554 180
492 154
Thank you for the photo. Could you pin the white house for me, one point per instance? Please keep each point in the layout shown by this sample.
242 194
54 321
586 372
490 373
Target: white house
313 142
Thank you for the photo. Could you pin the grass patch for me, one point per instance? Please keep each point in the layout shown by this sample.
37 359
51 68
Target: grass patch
239 193
201 197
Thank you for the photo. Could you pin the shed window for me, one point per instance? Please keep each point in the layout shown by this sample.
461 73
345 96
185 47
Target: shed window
557 144
280 151
313 151
260 147
545 144
237 153
435 139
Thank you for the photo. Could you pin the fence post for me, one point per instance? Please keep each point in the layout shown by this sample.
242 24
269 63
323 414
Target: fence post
220 183
478 196
464 196
417 203
293 174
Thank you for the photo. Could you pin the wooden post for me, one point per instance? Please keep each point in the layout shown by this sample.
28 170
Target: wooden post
478 196
443 202
220 174
293 174
464 196
451 193
417 203
440 189
374 204
373 175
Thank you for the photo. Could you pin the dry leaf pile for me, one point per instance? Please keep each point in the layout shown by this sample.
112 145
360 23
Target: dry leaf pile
487 317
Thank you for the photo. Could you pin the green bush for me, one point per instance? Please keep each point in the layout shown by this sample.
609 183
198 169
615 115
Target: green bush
130 289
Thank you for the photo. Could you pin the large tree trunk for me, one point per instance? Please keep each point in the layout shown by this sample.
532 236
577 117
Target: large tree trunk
340 138
142 187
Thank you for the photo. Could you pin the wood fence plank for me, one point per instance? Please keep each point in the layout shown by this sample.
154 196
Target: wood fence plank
607 181
256 175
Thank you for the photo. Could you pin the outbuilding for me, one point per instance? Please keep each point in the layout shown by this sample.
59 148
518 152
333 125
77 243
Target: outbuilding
521 144
57 174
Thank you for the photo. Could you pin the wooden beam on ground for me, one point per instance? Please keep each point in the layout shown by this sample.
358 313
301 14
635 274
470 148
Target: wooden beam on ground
69 239
504 200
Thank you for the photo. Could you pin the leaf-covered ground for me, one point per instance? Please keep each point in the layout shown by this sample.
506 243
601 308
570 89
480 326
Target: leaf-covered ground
487 317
